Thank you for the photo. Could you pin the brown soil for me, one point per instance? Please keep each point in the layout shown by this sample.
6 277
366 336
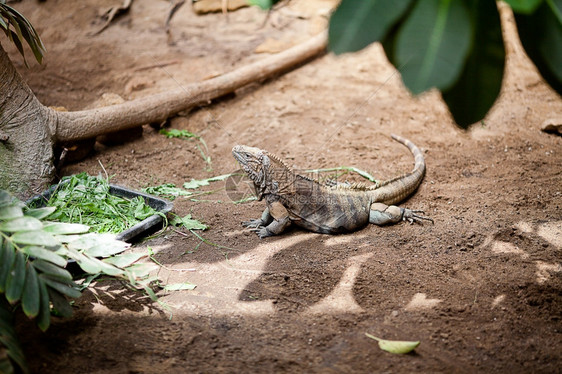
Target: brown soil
481 288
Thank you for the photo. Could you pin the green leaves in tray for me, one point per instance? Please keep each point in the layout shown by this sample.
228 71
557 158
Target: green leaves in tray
86 200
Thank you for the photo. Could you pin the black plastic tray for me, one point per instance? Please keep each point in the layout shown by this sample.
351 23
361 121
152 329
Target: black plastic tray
140 229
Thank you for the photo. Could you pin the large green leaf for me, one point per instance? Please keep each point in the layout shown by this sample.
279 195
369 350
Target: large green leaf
30 300
40 213
92 265
7 258
5 198
141 270
85 262
10 212
52 270
541 36
124 260
44 254
60 303
524 6
21 224
16 279
60 228
472 96
44 317
354 25
110 269
35 238
70 290
98 245
432 44
8 339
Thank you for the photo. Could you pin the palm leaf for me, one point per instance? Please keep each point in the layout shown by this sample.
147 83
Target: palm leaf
24 32
10 349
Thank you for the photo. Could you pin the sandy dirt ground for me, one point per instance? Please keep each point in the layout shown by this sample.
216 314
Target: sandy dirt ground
481 288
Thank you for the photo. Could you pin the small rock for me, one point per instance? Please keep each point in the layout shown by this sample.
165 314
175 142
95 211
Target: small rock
552 125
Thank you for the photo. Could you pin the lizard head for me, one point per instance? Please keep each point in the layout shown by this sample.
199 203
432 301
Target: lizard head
261 167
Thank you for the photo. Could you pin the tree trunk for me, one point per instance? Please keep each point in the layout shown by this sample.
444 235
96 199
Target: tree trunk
26 135
29 130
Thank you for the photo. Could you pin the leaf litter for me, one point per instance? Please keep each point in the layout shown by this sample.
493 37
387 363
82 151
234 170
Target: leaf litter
395 346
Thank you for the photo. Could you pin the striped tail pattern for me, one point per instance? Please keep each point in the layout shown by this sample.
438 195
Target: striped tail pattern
397 189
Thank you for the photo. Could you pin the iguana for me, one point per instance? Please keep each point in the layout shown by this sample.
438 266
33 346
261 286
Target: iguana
293 198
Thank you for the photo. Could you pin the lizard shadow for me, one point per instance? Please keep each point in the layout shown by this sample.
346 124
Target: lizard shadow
301 275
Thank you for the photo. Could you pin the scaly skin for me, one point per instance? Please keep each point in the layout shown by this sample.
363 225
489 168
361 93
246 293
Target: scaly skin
293 198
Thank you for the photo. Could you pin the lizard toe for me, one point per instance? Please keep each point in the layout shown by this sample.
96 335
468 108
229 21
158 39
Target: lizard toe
261 232
253 223
416 216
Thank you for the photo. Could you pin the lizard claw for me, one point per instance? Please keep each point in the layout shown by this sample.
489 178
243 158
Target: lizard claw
255 223
261 231
415 216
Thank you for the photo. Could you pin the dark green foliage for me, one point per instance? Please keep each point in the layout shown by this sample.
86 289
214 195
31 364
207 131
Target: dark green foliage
16 277
541 36
431 44
33 256
352 27
19 30
479 84
524 6
10 349
454 46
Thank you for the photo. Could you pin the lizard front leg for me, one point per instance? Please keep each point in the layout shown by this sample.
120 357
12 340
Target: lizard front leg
382 214
279 223
264 220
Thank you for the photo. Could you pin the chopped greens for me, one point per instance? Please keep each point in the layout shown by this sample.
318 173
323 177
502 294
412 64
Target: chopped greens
170 191
167 190
86 200
196 183
176 133
179 286
188 223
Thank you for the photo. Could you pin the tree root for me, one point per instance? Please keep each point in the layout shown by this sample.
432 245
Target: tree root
85 124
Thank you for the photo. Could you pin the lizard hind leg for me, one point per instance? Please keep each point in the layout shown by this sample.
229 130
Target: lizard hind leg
382 214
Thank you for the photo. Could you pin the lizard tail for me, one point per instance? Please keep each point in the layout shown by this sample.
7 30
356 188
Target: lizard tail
397 189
